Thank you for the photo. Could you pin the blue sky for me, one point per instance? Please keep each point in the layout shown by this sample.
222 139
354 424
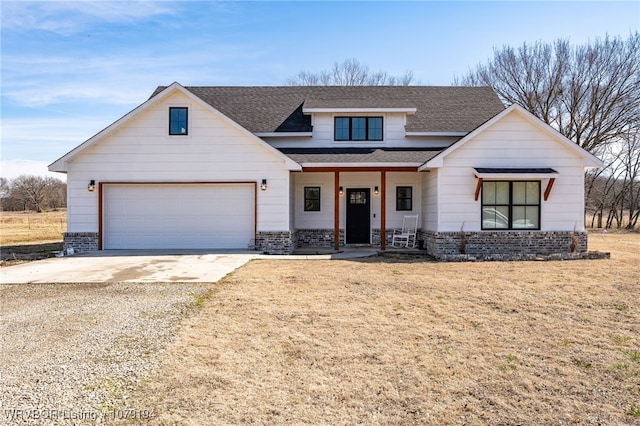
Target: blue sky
70 69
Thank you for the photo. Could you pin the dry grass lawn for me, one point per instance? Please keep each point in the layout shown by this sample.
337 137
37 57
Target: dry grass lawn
32 227
400 341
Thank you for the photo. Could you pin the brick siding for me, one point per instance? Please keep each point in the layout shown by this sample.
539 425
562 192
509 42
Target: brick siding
80 241
502 245
317 237
276 242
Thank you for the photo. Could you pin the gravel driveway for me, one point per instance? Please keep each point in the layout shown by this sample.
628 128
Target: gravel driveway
71 352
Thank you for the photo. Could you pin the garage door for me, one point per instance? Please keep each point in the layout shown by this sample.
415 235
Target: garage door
178 216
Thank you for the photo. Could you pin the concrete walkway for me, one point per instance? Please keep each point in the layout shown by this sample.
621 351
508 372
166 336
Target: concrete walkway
148 266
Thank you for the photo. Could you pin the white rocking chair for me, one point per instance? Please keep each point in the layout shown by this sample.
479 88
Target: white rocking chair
406 237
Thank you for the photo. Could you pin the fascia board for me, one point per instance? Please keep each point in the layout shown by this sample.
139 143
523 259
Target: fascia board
355 165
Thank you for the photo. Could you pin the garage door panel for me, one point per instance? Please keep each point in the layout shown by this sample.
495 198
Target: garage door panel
178 216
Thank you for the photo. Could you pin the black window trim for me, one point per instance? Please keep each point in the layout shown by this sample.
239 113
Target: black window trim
171 109
410 198
511 205
319 199
366 139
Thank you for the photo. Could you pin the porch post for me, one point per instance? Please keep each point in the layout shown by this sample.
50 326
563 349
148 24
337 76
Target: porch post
383 210
336 210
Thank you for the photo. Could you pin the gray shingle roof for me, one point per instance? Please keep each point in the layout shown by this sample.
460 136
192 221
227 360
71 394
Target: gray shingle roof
360 155
357 103
279 109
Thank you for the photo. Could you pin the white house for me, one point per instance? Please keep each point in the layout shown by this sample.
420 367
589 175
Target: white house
277 168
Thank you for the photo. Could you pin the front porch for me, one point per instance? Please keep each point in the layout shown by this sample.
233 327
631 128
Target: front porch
338 206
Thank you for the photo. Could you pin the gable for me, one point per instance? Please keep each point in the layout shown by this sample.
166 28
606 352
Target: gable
149 123
516 138
144 143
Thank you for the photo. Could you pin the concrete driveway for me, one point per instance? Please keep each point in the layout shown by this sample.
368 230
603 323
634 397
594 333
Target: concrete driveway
153 265
128 266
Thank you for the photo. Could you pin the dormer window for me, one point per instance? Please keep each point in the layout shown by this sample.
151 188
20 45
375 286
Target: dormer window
178 120
358 128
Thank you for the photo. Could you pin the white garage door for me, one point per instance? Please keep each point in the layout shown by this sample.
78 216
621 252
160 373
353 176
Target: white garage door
178 216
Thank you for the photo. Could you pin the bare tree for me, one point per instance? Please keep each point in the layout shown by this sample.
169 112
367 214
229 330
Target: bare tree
590 93
350 72
630 159
56 195
29 192
4 187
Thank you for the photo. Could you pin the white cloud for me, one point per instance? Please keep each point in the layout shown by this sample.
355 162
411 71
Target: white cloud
11 169
72 17
117 78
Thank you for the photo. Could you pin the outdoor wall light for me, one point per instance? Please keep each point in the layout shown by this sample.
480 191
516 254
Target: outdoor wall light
341 191
263 185
92 185
376 191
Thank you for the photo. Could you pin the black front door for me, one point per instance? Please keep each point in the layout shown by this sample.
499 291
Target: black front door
358 216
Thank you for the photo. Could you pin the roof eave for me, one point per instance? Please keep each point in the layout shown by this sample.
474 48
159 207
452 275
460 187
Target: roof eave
358 110
448 134
362 164
284 134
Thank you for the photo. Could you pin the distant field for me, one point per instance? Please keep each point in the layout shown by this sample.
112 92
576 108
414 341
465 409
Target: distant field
32 227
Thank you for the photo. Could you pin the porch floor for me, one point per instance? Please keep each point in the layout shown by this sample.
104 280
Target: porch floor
357 250
347 250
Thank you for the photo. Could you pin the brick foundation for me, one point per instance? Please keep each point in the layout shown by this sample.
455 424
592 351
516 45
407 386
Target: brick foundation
317 237
80 241
507 245
448 246
324 237
375 237
276 242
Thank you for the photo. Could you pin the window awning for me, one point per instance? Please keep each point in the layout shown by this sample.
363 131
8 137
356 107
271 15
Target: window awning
514 173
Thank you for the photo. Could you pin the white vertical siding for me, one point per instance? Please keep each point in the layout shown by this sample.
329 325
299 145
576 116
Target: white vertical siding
512 142
142 151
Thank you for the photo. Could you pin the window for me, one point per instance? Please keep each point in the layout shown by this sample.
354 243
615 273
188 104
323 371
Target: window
404 198
311 198
358 128
358 197
511 205
178 121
